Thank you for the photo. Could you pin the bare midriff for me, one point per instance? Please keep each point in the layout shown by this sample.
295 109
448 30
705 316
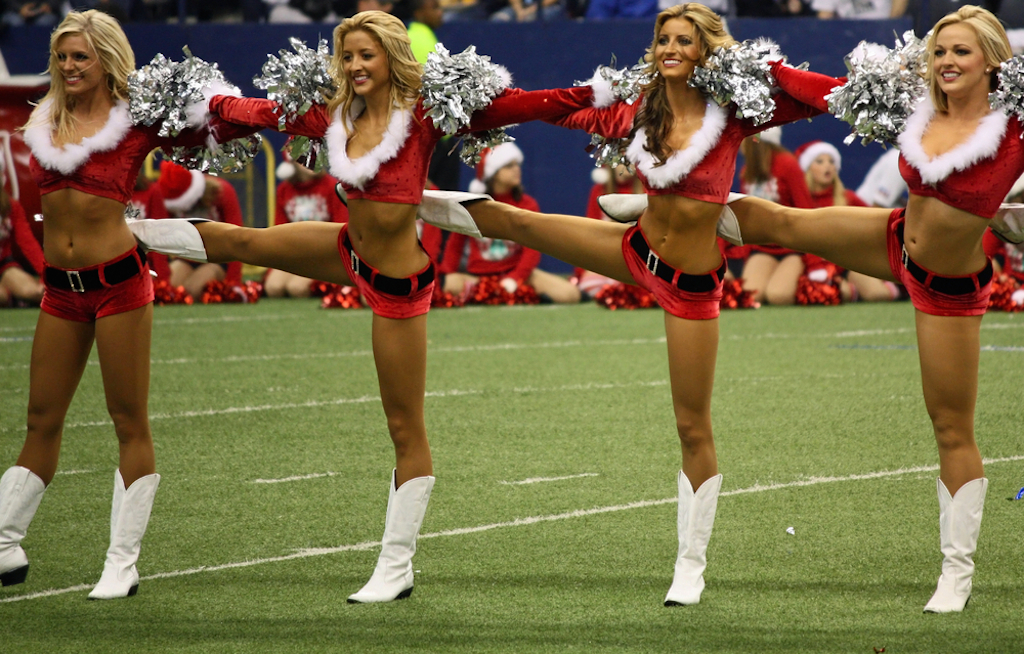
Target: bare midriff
682 231
384 235
944 239
82 230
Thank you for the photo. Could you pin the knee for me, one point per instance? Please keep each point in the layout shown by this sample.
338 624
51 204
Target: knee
299 287
44 421
694 431
130 423
952 430
779 297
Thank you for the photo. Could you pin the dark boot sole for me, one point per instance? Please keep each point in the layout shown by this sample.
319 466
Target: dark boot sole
16 576
404 594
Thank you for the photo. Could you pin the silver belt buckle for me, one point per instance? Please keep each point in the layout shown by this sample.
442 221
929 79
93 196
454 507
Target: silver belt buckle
906 258
652 261
76 281
355 261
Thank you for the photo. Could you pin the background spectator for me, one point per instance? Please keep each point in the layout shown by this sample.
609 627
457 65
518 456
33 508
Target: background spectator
44 12
883 186
861 9
524 11
608 9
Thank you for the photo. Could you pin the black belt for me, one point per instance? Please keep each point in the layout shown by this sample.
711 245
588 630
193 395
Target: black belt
81 281
383 283
686 282
944 285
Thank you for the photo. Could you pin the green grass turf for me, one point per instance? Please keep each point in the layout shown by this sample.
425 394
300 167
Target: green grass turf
282 388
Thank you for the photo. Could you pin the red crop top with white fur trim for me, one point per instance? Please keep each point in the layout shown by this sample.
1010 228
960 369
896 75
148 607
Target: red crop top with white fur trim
974 176
107 163
704 169
396 169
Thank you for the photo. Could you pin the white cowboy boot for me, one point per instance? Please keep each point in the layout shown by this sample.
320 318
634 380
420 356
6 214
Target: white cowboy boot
1008 223
959 526
728 225
623 207
177 237
444 209
695 518
21 490
392 578
129 517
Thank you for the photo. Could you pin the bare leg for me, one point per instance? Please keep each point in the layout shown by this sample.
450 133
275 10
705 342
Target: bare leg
400 354
851 237
870 289
594 245
298 286
692 352
756 273
60 350
123 343
22 285
309 249
557 288
197 279
456 283
781 290
949 353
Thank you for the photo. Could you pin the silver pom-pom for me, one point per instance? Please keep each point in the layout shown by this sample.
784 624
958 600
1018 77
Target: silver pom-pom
884 85
1009 95
171 94
309 152
626 84
473 145
455 86
741 74
608 152
297 80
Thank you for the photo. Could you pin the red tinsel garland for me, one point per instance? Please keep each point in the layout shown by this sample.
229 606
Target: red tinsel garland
819 285
625 296
164 293
320 289
225 292
1004 290
340 297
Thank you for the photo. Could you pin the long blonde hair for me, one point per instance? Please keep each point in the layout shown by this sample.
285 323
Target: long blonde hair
991 37
655 116
391 34
105 36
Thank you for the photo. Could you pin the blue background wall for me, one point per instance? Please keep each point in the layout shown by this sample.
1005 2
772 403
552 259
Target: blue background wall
549 55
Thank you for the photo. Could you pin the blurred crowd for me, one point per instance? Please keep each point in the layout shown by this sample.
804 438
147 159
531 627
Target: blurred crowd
925 12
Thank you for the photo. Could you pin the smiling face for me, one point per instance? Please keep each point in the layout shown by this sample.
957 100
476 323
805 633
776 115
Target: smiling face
823 170
79 66
958 62
677 50
365 64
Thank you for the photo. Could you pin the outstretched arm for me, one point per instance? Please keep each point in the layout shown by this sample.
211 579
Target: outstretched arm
266 114
805 86
519 106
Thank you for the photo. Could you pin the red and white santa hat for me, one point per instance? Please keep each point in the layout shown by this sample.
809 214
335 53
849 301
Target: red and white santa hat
811 150
491 161
180 186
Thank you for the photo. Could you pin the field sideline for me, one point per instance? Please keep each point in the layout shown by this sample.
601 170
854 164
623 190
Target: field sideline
552 524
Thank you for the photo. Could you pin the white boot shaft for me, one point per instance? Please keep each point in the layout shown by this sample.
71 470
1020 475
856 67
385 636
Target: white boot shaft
959 527
129 517
694 519
444 209
393 577
21 491
177 237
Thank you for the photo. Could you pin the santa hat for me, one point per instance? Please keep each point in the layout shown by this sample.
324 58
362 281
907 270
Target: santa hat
180 186
600 175
491 161
811 150
771 135
286 169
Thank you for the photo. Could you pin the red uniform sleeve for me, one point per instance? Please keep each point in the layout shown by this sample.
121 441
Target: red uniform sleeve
793 190
231 213
24 239
853 200
265 114
280 218
804 86
519 106
452 254
614 121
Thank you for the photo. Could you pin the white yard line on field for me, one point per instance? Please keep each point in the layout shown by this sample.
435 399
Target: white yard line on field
314 475
538 480
520 522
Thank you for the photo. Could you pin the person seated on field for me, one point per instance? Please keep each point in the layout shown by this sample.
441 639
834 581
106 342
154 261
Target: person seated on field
500 175
191 194
16 238
302 195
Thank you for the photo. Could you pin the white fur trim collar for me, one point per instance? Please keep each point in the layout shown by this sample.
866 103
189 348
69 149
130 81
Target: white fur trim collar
363 169
681 162
983 144
67 158
188 199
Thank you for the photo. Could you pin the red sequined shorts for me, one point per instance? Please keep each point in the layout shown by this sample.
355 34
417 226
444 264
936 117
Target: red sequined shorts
388 297
84 295
692 297
934 294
